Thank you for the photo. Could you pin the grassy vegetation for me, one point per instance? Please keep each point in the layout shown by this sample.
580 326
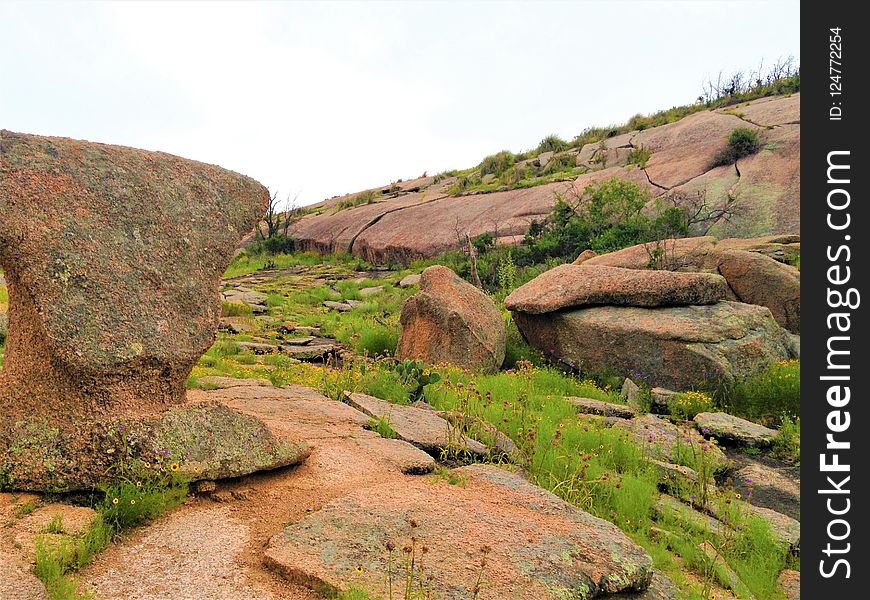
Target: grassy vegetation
768 396
145 491
639 156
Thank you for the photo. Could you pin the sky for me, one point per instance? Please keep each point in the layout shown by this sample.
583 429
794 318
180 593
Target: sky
321 99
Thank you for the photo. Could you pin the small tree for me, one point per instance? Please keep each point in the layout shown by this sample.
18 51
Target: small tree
681 214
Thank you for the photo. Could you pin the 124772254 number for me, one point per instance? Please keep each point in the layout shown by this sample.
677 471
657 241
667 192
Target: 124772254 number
835 62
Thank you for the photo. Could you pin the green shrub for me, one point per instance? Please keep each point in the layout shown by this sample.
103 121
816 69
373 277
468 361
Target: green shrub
606 216
742 142
279 244
498 163
552 143
483 242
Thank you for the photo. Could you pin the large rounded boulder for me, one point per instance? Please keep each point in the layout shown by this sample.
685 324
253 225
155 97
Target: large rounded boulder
452 321
678 347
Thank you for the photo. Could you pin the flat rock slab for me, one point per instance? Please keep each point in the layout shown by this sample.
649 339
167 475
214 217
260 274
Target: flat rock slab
410 280
18 581
732 430
408 458
589 285
425 429
679 347
177 554
213 441
245 297
207 440
371 291
258 347
754 268
313 349
339 306
605 409
235 325
540 547
216 382
300 341
662 438
774 487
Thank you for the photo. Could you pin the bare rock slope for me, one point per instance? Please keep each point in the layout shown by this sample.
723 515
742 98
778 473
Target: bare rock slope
419 218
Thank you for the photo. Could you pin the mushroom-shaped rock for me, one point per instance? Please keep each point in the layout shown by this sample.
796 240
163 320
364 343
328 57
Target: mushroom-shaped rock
450 320
113 257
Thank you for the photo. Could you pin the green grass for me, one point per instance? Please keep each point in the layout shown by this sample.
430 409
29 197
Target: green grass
125 505
383 428
767 396
787 444
355 593
25 508
236 309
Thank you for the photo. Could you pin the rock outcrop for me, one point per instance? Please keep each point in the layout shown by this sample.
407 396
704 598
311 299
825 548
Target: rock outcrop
583 285
675 326
732 430
420 218
113 257
536 545
676 347
450 320
755 268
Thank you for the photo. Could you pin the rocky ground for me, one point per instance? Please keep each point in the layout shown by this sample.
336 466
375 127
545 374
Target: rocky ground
325 524
279 534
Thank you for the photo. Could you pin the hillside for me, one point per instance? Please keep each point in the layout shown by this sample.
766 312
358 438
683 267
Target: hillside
426 216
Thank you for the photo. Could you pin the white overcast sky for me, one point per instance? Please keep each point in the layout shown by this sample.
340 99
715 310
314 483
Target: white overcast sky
329 98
